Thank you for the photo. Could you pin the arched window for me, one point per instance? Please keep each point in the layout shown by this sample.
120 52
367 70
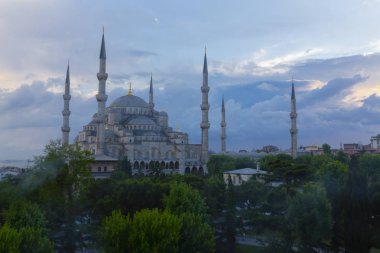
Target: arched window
187 170
176 165
194 170
151 165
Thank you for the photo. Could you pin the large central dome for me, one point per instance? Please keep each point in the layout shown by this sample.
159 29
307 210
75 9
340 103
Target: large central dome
129 101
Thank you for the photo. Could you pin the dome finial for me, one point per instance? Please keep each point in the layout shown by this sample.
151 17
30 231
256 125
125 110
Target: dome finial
130 89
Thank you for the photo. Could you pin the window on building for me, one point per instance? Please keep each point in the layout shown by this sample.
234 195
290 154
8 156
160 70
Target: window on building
105 168
99 169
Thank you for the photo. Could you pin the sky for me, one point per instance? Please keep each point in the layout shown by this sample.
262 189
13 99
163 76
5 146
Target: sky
254 48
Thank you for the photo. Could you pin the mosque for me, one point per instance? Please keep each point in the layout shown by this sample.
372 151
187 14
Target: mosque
133 128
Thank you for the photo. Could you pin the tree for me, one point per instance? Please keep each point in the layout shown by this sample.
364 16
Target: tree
215 195
153 231
60 178
115 233
334 176
30 223
326 149
230 223
357 209
196 235
125 166
309 217
10 239
22 213
34 240
182 198
217 164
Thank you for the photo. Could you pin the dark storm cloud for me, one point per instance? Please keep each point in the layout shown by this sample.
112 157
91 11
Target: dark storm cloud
332 89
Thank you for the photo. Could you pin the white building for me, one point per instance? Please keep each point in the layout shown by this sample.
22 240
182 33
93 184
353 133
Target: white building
243 175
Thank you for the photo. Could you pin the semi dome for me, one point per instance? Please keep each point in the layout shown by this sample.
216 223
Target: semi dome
129 101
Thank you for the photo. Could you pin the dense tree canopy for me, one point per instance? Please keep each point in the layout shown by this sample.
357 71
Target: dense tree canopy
320 202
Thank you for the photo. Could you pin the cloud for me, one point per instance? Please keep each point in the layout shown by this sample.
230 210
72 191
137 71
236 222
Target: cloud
334 89
140 53
267 87
257 106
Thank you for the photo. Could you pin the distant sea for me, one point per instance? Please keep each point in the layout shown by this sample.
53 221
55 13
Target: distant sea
15 163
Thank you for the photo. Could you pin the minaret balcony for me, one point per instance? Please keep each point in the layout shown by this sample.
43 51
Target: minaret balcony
205 89
205 125
66 97
101 97
293 115
102 76
66 112
205 107
293 131
65 129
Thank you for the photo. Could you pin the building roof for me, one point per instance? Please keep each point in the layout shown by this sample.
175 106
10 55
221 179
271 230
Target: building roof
129 101
246 171
141 120
104 158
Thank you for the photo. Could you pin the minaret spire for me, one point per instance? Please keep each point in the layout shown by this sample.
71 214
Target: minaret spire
103 48
130 89
293 118
205 125
151 104
223 126
66 109
101 97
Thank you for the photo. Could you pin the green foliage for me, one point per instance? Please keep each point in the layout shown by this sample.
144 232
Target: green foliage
154 232
215 195
128 195
124 166
10 239
30 223
196 236
33 240
342 157
370 164
182 198
217 164
244 162
25 214
309 216
357 208
115 233
58 182
326 149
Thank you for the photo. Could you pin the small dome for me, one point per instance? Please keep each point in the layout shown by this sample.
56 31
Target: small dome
163 113
129 101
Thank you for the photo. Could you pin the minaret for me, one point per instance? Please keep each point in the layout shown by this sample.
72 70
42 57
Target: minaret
205 125
223 126
101 97
151 104
293 118
66 109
